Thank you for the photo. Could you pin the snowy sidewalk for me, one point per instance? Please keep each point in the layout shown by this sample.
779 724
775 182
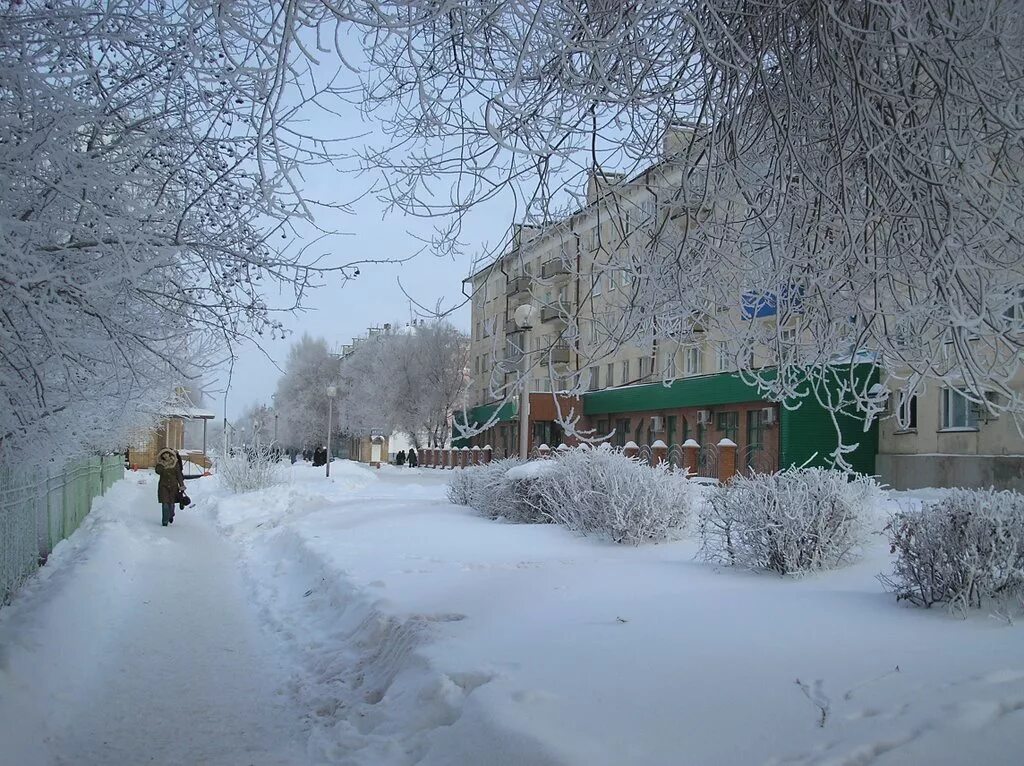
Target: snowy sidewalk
429 636
140 646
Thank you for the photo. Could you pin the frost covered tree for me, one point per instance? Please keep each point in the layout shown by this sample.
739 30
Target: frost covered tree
302 393
410 381
856 163
149 166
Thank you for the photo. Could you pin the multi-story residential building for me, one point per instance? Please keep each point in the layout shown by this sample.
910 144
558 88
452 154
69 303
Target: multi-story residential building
579 274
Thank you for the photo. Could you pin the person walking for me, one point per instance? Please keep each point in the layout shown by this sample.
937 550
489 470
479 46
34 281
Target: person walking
400 457
171 485
412 459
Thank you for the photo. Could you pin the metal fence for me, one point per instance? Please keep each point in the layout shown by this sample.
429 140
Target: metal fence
38 511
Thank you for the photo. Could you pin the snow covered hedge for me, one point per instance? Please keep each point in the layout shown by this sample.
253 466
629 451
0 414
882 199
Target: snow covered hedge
592 492
965 547
257 468
489 490
798 520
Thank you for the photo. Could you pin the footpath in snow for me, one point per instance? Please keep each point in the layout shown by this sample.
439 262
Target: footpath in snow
367 621
137 644
428 635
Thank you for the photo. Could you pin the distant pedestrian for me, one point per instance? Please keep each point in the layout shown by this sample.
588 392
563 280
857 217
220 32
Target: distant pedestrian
171 485
412 459
400 457
293 454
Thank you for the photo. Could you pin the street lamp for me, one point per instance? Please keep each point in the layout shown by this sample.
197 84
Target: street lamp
332 391
525 317
274 398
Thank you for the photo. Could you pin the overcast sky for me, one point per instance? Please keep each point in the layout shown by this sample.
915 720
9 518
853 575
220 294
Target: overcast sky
340 311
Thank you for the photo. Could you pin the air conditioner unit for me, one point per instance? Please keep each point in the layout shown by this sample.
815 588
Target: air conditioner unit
704 417
769 416
657 424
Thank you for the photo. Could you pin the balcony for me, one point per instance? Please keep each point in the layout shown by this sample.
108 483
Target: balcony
558 354
554 268
511 327
552 313
517 285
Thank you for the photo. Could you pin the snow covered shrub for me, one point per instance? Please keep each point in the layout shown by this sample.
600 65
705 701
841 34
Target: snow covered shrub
605 493
487 490
960 549
460 485
249 470
798 520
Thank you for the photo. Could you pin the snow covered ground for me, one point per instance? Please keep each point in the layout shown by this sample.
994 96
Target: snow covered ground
399 629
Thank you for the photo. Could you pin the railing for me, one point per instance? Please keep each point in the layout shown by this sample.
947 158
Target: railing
554 268
517 285
550 313
556 355
38 512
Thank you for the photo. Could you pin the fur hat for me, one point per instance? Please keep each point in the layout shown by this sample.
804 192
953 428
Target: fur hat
167 457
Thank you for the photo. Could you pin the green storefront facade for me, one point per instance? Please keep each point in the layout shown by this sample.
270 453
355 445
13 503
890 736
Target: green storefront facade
806 430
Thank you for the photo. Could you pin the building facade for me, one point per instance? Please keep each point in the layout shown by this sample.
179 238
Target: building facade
578 276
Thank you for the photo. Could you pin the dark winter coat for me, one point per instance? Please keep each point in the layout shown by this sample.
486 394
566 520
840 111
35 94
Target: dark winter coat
172 479
412 458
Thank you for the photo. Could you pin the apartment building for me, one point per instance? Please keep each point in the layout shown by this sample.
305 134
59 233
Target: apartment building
584 336
579 274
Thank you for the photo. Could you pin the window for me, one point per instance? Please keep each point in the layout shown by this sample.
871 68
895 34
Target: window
671 428
625 371
595 378
598 278
611 278
722 356
609 379
602 428
644 367
621 432
957 410
906 411
667 364
592 335
755 437
692 361
728 425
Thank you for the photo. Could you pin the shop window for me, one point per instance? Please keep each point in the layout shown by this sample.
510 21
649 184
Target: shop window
728 425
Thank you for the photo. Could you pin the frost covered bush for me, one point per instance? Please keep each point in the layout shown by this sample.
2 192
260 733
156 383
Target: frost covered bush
256 468
960 549
602 492
799 520
488 490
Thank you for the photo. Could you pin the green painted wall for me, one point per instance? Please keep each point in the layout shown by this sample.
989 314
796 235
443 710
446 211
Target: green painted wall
706 390
482 414
807 433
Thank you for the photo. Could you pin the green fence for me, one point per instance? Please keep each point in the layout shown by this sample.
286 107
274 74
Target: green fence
37 512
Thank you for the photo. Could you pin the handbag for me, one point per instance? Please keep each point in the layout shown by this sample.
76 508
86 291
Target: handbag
183 499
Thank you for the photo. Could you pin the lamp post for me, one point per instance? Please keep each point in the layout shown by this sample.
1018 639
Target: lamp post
274 399
524 317
332 391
